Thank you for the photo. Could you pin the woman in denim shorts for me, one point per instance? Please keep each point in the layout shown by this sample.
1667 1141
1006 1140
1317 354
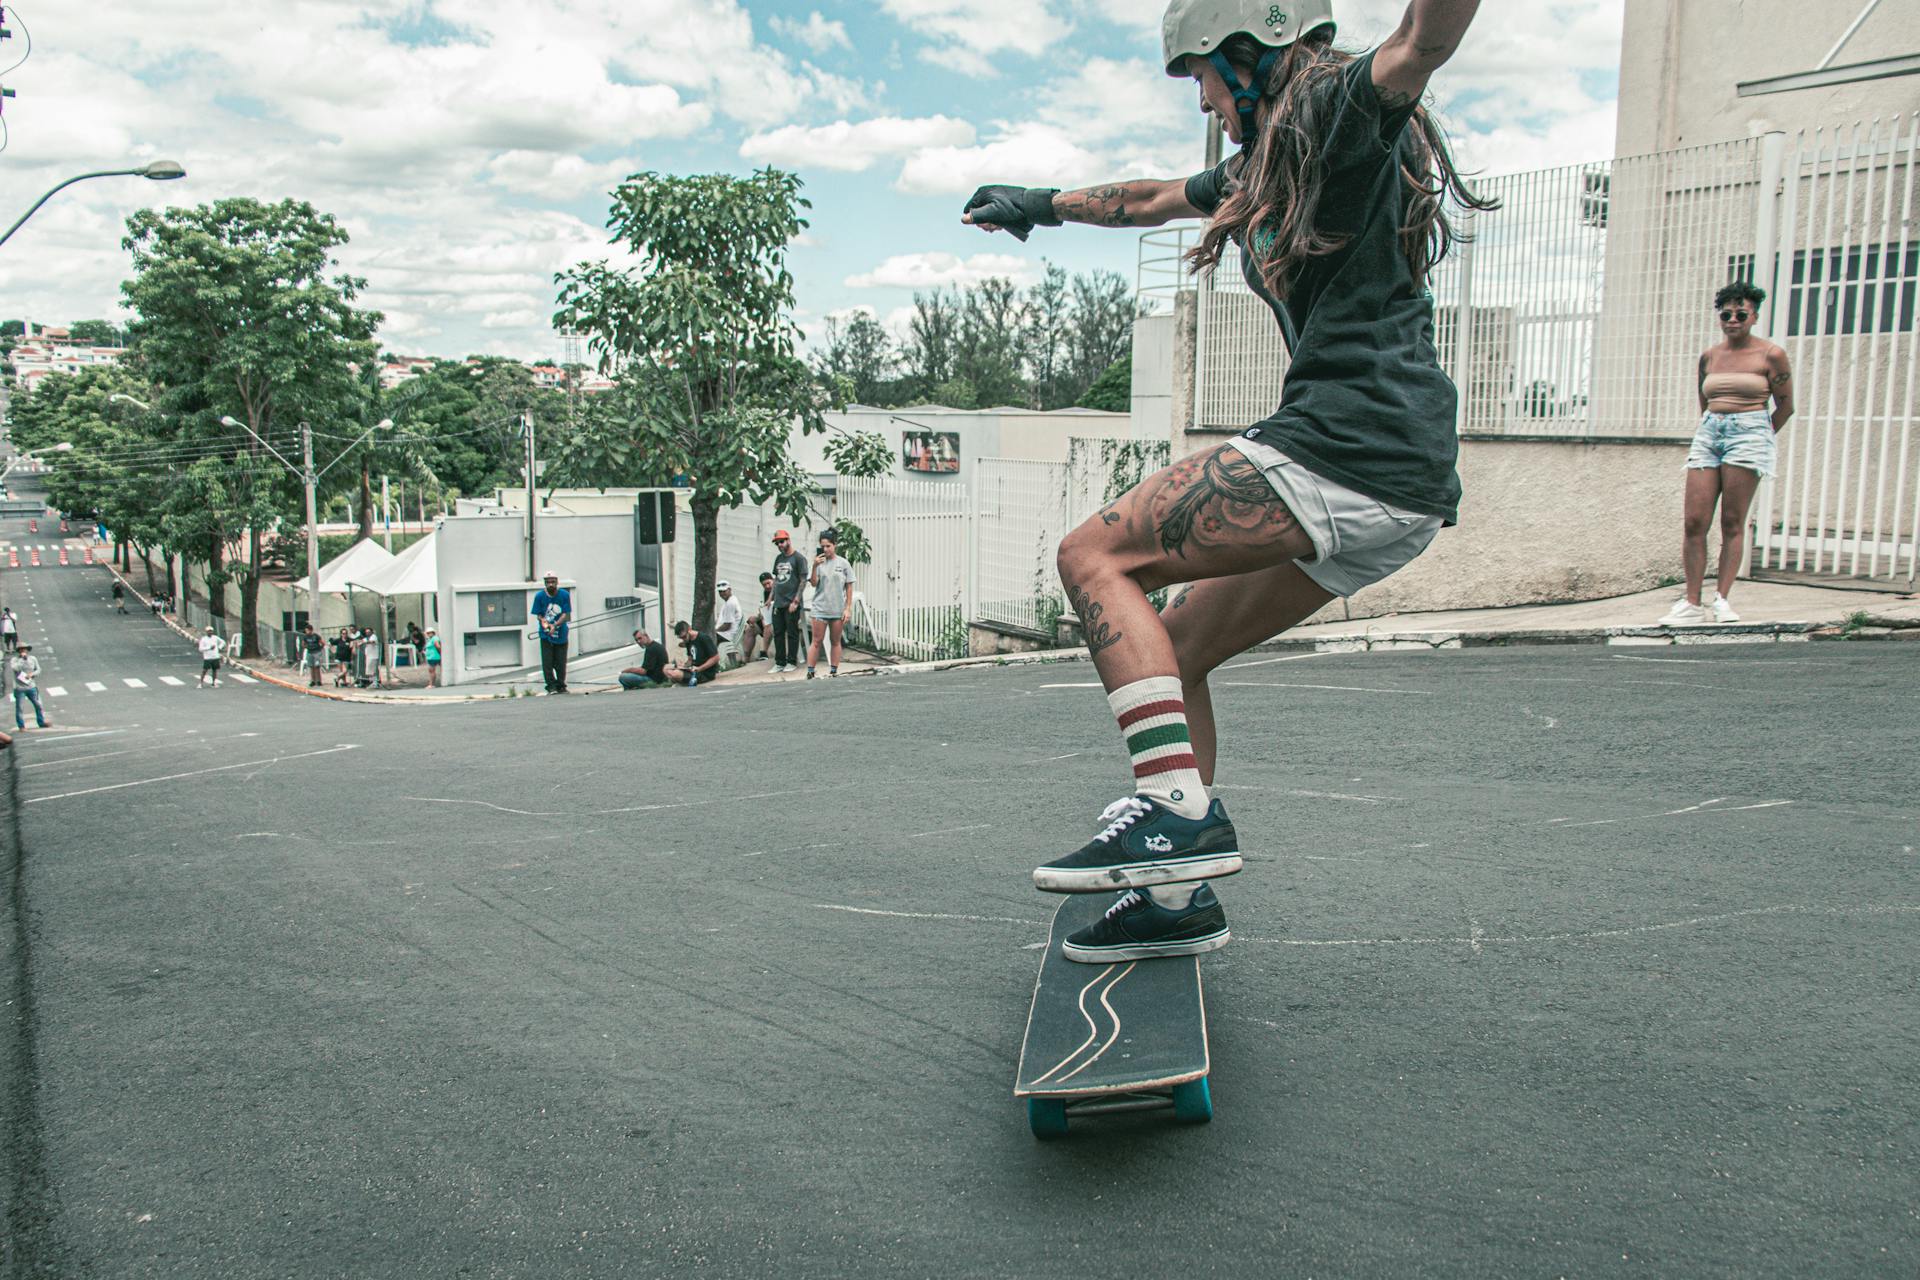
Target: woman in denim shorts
1733 451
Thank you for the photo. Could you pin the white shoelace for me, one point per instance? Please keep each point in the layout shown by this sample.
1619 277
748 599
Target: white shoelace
1120 815
1130 898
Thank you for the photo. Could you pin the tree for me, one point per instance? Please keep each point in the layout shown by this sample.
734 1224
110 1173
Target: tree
236 313
1102 326
933 337
860 350
988 345
703 345
1112 390
1046 336
96 333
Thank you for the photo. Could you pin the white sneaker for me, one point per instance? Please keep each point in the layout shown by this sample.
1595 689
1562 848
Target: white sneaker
1723 609
1684 615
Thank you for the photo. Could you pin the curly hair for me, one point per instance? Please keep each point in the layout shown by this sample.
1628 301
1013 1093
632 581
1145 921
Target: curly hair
1275 203
1740 291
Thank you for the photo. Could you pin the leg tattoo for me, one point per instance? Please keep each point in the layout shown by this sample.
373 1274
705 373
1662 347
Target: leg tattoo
1217 499
1100 633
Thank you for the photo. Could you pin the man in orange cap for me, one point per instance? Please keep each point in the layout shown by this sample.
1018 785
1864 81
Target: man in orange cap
790 573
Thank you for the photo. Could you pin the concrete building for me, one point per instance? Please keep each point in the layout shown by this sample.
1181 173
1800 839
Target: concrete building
1694 71
933 442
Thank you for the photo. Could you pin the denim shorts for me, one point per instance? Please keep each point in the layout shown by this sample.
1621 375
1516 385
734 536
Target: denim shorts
1357 540
1735 440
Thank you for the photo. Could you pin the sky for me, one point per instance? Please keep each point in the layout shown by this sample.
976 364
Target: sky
468 148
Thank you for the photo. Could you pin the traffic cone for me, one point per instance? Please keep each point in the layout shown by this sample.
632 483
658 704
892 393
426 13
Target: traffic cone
33 526
13 558
63 555
35 554
88 552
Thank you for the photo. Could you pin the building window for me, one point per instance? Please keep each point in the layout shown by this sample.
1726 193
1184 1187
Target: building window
1864 289
501 608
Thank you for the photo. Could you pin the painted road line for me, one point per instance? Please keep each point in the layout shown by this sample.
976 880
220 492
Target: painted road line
235 675
1342 688
131 683
94 686
194 773
175 681
57 691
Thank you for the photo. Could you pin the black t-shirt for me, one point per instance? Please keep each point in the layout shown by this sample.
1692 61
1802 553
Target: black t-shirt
790 574
700 647
653 660
1365 401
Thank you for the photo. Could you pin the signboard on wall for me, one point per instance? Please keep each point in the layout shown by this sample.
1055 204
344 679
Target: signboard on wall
931 451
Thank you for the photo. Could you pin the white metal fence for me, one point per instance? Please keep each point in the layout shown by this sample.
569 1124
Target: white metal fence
1586 299
918 586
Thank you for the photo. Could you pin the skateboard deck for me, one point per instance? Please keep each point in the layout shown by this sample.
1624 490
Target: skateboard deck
1127 1036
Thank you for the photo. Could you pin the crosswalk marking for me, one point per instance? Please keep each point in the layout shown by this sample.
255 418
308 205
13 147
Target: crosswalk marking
94 686
242 679
131 683
57 691
175 681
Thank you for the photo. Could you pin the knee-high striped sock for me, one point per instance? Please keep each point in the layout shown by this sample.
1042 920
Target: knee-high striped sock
1153 715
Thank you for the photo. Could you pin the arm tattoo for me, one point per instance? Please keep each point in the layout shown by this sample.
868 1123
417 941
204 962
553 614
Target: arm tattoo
1217 499
1106 206
1781 378
1100 633
1392 100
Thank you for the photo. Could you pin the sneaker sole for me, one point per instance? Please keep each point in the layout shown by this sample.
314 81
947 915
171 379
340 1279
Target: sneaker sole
1136 875
1146 950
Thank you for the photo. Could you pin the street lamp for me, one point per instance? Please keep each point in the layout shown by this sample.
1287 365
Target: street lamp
158 171
65 446
311 479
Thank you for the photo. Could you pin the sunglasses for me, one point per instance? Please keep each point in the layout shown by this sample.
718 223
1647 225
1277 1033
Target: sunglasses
1732 315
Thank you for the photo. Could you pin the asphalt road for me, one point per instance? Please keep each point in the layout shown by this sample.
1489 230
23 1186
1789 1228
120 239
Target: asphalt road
1547 962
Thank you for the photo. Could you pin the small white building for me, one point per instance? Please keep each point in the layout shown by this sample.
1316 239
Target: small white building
933 442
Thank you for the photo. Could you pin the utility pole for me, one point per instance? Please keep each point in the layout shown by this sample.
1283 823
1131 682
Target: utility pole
526 430
312 482
386 515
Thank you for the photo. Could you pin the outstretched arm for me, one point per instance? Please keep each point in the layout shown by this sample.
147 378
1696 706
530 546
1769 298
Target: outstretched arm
1143 202
1429 32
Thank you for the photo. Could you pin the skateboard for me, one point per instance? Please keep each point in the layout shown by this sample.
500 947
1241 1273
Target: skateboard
1101 1038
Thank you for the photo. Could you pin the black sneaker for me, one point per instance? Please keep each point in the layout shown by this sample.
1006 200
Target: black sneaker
1138 928
1144 844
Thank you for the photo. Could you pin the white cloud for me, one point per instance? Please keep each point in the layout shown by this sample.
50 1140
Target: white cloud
817 33
934 270
961 59
983 26
850 147
1104 100
555 176
1027 154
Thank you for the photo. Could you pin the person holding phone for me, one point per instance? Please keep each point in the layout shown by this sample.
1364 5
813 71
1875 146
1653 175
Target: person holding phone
832 580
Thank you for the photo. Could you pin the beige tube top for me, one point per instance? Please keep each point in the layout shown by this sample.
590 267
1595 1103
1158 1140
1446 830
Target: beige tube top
1735 392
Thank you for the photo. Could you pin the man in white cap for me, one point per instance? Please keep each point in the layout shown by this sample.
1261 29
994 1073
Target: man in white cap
211 646
726 624
552 607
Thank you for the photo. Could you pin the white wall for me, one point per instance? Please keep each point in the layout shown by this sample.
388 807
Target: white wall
593 556
984 433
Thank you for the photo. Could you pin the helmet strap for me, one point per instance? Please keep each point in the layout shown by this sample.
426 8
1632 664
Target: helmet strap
1245 97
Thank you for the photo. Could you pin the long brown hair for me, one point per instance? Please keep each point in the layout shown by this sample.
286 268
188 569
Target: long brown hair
1274 207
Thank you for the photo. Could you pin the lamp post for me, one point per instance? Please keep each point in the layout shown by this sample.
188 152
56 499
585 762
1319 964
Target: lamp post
158 171
65 446
311 479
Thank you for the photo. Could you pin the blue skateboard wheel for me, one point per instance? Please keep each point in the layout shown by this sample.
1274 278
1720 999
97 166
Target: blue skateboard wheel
1193 1101
1047 1117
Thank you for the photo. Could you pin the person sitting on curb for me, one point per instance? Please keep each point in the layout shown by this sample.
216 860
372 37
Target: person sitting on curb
652 671
703 657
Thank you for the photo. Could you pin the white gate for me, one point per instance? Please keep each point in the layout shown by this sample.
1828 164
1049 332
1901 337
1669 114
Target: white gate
917 585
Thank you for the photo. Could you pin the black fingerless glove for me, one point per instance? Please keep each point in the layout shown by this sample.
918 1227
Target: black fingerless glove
1015 209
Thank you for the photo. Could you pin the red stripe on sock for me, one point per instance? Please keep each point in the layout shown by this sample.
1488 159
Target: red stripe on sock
1166 764
1170 707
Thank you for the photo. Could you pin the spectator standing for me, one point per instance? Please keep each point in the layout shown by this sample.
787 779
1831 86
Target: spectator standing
759 628
702 662
789 579
211 648
652 670
726 632
119 595
832 600
313 654
26 686
552 607
430 652
342 656
9 630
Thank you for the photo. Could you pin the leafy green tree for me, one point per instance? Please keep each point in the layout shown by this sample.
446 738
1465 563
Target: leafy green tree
240 309
992 317
96 333
1045 338
1112 390
860 350
933 335
704 344
1103 310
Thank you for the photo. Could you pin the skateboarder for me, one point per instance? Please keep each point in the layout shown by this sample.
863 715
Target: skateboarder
1335 202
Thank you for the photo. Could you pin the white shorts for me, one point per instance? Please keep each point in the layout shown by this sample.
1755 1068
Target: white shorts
1357 540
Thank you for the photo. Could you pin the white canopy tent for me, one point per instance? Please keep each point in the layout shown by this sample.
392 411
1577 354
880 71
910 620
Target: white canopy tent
351 568
415 571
